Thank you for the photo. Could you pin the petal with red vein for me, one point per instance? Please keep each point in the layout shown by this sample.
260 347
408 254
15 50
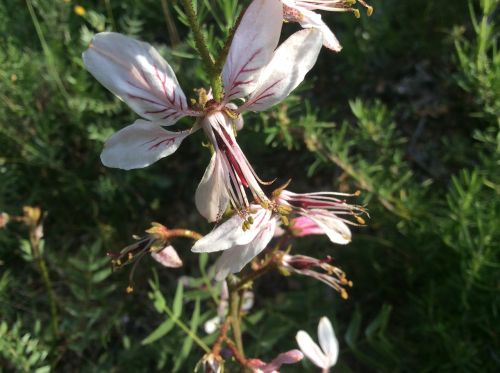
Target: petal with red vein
287 69
252 47
136 73
140 145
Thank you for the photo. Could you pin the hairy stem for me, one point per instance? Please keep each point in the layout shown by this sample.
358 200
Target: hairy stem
202 48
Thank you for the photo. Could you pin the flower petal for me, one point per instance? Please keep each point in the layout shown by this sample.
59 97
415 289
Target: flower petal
287 69
311 349
289 357
230 233
336 230
136 73
211 196
140 145
328 341
252 46
233 260
311 19
167 257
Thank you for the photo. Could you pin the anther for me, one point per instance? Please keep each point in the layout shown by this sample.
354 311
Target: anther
344 294
360 220
129 289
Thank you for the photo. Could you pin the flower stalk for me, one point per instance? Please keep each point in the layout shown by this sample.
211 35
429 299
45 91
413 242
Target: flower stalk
202 48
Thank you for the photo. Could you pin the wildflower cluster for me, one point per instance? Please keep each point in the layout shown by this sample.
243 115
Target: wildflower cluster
252 74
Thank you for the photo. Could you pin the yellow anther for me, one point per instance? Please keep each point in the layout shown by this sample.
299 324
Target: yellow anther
344 294
130 256
350 284
369 10
250 220
245 226
360 220
357 193
79 10
356 13
129 289
118 262
284 220
284 210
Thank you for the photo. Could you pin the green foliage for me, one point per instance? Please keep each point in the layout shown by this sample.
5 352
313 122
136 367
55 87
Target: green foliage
407 113
20 351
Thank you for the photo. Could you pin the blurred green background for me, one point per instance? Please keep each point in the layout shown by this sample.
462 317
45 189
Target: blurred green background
408 113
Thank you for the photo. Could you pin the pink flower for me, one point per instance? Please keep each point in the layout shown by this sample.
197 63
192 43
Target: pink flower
289 357
319 269
321 213
254 69
167 257
325 356
302 11
240 238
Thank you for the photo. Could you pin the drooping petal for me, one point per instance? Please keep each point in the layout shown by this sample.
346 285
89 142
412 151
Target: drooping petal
252 47
311 349
136 73
287 69
231 233
211 196
310 19
328 341
233 260
140 145
289 357
167 257
336 230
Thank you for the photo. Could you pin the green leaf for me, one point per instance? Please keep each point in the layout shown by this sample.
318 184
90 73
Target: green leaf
159 332
188 342
179 294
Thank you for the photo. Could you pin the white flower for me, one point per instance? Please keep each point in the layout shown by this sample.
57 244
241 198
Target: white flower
254 69
239 240
326 356
302 11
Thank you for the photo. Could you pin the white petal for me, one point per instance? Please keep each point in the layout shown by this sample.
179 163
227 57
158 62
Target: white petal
311 349
231 234
136 73
328 341
211 196
313 20
168 257
336 230
210 326
252 46
140 145
233 261
287 69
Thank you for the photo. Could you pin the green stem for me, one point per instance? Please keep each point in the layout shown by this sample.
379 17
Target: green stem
47 52
42 266
234 311
202 48
187 330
